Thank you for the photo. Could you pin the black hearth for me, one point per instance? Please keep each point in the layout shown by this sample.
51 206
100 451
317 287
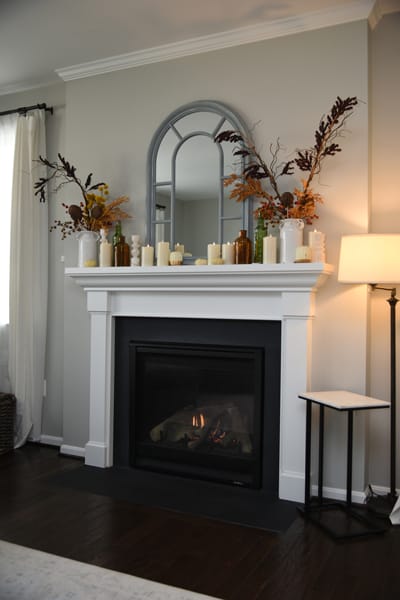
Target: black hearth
198 399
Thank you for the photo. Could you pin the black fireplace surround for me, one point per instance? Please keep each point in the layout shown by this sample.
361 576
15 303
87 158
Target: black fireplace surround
198 401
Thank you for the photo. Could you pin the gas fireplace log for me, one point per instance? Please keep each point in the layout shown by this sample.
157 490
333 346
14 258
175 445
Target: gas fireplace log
218 425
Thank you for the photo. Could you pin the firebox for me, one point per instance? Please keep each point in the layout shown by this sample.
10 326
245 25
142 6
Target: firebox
196 410
198 399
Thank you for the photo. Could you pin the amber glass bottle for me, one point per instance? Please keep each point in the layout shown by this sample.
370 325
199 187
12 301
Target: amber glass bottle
121 248
122 256
243 248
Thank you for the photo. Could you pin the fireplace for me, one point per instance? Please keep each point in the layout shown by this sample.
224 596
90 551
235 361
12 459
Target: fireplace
283 294
199 399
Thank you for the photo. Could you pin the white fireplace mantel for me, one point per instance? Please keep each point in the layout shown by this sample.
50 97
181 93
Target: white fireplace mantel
284 292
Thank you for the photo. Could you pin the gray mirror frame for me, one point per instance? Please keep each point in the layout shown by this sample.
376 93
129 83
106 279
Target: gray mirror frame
226 114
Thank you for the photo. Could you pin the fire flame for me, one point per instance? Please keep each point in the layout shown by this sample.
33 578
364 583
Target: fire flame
198 421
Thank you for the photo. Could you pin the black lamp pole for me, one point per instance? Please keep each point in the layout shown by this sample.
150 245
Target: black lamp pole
392 302
384 505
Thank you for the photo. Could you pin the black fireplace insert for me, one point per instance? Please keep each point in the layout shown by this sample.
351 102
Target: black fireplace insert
196 410
199 399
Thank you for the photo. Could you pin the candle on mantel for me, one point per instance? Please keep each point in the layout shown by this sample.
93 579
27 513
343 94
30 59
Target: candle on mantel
180 248
228 253
213 252
303 254
175 258
316 241
162 254
147 256
269 249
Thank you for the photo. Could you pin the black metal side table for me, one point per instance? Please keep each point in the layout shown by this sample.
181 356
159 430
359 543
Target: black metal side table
337 519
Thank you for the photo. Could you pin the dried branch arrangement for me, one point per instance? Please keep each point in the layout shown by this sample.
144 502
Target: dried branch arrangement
301 203
94 212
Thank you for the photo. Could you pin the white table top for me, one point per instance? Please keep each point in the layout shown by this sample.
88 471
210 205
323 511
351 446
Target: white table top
342 400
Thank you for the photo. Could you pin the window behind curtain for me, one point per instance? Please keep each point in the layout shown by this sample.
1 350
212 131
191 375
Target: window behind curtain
8 125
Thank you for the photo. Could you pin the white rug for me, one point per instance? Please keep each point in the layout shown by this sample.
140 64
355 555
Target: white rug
27 574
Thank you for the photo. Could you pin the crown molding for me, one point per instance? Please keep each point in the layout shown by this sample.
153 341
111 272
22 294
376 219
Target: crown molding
381 8
16 88
375 15
338 15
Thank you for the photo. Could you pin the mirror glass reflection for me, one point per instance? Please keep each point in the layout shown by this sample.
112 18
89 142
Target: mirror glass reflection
187 201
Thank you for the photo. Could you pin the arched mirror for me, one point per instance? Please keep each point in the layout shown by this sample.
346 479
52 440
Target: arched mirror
187 201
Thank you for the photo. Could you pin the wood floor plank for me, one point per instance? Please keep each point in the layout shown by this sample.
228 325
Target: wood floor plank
227 561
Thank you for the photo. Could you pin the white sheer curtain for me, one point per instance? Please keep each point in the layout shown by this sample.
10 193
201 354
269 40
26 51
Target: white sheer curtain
8 126
28 278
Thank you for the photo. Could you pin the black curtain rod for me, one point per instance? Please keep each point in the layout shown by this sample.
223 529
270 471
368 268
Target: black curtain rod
24 109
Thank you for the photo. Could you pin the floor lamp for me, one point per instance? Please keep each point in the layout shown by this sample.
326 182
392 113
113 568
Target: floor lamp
375 259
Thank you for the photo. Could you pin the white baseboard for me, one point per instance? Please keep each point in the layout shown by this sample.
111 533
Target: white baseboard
51 440
72 450
357 497
380 490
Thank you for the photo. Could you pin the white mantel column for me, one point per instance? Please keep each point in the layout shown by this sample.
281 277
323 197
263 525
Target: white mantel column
98 450
297 315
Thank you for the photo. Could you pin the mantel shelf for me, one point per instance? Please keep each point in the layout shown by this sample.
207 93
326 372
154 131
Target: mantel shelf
273 277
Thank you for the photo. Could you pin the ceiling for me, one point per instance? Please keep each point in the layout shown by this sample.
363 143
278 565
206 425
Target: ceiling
39 37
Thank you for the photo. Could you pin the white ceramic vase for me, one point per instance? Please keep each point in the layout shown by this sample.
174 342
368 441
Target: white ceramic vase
87 248
291 236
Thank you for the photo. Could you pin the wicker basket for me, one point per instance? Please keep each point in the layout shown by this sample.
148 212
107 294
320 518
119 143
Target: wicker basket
7 417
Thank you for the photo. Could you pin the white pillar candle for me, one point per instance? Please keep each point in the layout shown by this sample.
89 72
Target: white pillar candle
303 254
147 256
213 251
228 253
316 241
106 254
162 254
315 238
180 248
269 249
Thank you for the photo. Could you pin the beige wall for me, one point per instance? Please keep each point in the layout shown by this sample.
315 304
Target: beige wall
284 85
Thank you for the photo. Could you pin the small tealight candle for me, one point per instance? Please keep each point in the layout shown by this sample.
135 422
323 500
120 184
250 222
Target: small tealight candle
147 256
303 254
228 253
269 249
213 252
175 258
180 248
217 261
162 254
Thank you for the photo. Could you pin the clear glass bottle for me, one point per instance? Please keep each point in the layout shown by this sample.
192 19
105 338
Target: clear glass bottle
243 248
259 235
117 233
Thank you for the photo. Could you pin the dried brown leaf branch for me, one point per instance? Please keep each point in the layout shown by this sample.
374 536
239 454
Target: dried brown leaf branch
302 202
94 212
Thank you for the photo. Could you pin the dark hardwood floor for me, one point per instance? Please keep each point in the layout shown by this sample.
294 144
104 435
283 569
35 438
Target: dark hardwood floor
227 561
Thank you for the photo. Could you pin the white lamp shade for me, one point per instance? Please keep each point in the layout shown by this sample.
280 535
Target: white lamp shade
370 258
